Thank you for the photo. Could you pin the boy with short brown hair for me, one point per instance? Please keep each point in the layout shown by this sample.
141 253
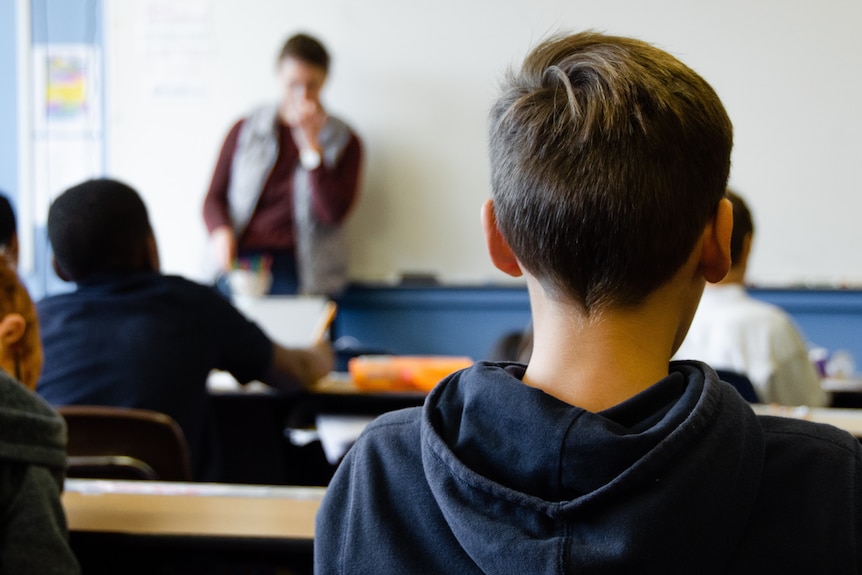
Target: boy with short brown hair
609 161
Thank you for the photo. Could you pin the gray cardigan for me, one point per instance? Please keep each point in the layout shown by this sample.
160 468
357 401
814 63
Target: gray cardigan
321 249
32 462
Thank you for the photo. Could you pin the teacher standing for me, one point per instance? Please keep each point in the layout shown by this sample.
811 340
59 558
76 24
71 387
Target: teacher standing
285 181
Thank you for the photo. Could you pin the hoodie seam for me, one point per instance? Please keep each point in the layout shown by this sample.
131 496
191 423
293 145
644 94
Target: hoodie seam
804 433
561 455
492 488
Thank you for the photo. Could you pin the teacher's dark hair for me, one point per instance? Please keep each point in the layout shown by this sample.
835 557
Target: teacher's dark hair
306 48
96 227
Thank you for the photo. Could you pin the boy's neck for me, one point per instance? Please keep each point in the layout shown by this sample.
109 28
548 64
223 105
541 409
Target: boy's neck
600 361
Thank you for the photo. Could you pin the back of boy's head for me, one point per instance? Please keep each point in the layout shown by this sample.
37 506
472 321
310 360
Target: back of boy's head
96 227
8 226
608 157
743 225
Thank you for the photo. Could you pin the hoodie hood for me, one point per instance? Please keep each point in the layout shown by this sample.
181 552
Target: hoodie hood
30 430
680 461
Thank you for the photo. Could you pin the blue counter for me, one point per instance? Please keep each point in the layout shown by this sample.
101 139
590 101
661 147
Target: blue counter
468 320
431 320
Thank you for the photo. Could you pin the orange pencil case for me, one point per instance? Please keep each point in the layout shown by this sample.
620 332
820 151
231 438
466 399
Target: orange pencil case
401 372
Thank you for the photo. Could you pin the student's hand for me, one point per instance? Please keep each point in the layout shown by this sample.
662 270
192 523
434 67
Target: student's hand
224 244
319 361
299 365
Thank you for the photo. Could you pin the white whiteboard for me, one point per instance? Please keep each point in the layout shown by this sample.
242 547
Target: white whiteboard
416 81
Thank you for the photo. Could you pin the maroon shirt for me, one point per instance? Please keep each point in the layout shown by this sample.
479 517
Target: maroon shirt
271 225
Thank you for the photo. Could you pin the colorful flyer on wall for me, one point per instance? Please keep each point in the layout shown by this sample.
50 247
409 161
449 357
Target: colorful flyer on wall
66 94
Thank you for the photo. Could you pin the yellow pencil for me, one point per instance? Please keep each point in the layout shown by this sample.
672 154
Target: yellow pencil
325 321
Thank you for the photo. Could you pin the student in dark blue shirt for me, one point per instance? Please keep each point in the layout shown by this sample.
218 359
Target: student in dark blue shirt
130 336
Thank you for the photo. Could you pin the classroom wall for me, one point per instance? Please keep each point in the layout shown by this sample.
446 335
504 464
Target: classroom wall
416 81
8 100
45 155
418 95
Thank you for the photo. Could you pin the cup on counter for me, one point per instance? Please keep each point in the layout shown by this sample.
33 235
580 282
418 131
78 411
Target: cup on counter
840 364
249 283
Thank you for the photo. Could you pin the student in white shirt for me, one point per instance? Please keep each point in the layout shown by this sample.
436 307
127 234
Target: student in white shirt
733 331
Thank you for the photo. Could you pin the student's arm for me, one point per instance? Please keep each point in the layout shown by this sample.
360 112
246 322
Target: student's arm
215 209
33 523
243 349
295 368
794 381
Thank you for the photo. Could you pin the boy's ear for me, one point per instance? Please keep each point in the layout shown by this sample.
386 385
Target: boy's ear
498 248
59 271
12 328
715 250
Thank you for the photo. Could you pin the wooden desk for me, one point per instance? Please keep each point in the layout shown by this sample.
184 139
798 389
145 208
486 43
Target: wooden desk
845 392
849 420
337 393
192 509
259 415
842 384
117 524
333 384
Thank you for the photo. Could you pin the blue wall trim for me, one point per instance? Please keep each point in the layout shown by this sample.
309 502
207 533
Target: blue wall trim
831 319
452 320
812 301
431 321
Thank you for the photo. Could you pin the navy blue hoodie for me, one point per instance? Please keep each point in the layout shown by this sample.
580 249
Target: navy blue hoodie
494 476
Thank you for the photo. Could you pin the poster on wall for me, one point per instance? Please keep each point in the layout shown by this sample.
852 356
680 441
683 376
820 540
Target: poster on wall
66 92
175 40
67 144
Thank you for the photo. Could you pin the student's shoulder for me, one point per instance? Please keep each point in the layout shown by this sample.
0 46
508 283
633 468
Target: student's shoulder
199 300
386 458
182 282
130 285
803 438
397 422
56 300
17 399
746 306
754 315
770 312
392 431
40 432
812 469
205 294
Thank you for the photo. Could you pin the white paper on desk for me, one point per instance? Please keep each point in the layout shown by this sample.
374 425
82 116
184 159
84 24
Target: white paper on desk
338 433
223 381
287 320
